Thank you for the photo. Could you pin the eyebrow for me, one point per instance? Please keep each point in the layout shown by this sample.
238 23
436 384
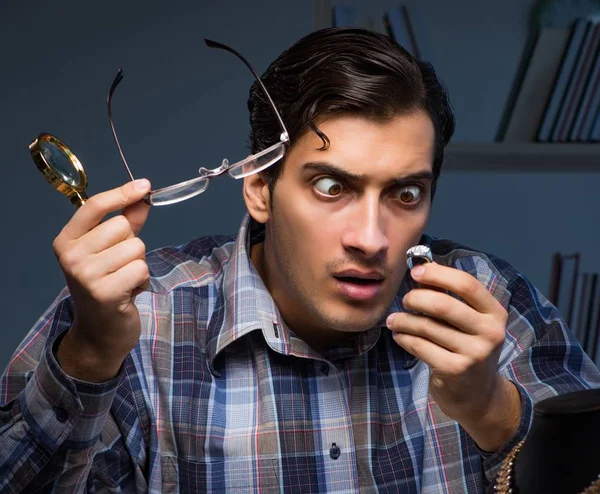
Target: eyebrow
330 169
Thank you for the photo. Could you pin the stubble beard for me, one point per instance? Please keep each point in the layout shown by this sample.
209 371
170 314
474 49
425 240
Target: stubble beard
300 293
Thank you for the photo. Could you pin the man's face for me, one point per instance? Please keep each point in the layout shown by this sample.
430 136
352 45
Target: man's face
343 218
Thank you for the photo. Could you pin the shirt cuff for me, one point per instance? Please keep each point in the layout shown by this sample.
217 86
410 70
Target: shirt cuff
60 409
492 461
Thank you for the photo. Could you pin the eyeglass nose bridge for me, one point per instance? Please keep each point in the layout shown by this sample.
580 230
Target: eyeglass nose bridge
208 173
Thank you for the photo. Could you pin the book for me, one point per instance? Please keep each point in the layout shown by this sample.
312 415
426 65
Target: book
564 283
583 297
343 15
371 23
411 32
578 83
536 85
516 85
588 106
563 80
400 28
588 328
595 132
322 14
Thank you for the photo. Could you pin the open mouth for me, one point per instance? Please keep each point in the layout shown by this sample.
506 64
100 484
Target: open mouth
357 281
359 288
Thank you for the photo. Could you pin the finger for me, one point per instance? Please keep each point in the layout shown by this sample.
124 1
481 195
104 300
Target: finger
106 235
142 288
460 282
438 358
117 256
435 331
98 206
445 307
137 214
129 277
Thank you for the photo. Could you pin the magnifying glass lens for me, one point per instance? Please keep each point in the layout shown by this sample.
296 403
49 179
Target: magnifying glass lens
60 162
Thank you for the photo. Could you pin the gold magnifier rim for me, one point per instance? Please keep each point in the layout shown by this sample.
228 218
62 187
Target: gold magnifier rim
55 180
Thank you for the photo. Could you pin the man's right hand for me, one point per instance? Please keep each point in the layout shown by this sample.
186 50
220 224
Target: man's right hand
105 268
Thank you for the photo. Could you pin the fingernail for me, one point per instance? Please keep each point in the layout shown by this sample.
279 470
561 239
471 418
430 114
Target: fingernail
390 320
141 184
417 271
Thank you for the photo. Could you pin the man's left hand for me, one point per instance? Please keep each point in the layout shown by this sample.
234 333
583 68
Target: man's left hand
461 342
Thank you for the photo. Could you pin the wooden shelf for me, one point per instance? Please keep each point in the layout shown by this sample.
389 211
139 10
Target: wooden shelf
523 157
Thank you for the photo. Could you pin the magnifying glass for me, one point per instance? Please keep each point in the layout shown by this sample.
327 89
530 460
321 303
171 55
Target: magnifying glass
60 167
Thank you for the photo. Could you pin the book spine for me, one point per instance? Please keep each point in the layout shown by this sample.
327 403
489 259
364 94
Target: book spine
416 52
394 21
595 132
563 81
589 105
578 85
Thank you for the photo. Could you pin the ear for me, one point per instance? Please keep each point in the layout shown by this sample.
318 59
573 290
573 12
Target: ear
257 197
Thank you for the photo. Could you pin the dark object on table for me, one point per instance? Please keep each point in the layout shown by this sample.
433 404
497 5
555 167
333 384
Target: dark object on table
561 453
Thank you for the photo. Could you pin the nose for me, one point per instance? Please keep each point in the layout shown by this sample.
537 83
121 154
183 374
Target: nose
366 230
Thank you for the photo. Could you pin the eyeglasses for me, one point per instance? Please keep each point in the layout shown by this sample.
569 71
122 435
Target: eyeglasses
248 166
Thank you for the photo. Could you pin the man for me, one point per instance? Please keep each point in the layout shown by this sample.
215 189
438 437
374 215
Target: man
299 356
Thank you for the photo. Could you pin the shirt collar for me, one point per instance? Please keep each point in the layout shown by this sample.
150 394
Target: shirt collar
243 303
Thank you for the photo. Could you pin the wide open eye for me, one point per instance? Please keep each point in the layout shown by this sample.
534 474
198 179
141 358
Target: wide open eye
328 187
409 194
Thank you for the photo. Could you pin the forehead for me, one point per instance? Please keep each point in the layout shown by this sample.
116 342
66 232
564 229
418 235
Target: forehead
399 146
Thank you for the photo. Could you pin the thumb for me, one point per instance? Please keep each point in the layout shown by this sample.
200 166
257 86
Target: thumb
137 214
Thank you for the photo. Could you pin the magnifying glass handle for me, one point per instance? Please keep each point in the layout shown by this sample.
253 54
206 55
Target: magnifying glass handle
78 198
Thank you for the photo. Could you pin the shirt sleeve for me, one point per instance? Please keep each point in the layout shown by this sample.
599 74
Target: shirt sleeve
50 423
541 357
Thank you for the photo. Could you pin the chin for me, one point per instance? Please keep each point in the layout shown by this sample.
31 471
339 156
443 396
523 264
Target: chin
353 319
355 326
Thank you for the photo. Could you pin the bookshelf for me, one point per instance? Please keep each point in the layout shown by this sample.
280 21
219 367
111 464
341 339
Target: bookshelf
522 157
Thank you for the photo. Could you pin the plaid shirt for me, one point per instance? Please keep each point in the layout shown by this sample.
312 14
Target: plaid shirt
220 396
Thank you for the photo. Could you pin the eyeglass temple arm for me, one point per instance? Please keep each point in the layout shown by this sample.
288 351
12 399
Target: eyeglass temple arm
114 85
211 44
216 44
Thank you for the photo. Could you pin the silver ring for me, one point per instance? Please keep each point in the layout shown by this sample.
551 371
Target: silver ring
418 254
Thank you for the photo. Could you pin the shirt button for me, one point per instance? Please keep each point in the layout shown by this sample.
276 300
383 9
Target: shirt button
325 369
334 452
61 414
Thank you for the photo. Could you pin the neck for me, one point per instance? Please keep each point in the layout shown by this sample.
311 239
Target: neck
319 339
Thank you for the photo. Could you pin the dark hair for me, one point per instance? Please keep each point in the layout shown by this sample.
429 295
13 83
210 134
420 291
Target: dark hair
346 70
